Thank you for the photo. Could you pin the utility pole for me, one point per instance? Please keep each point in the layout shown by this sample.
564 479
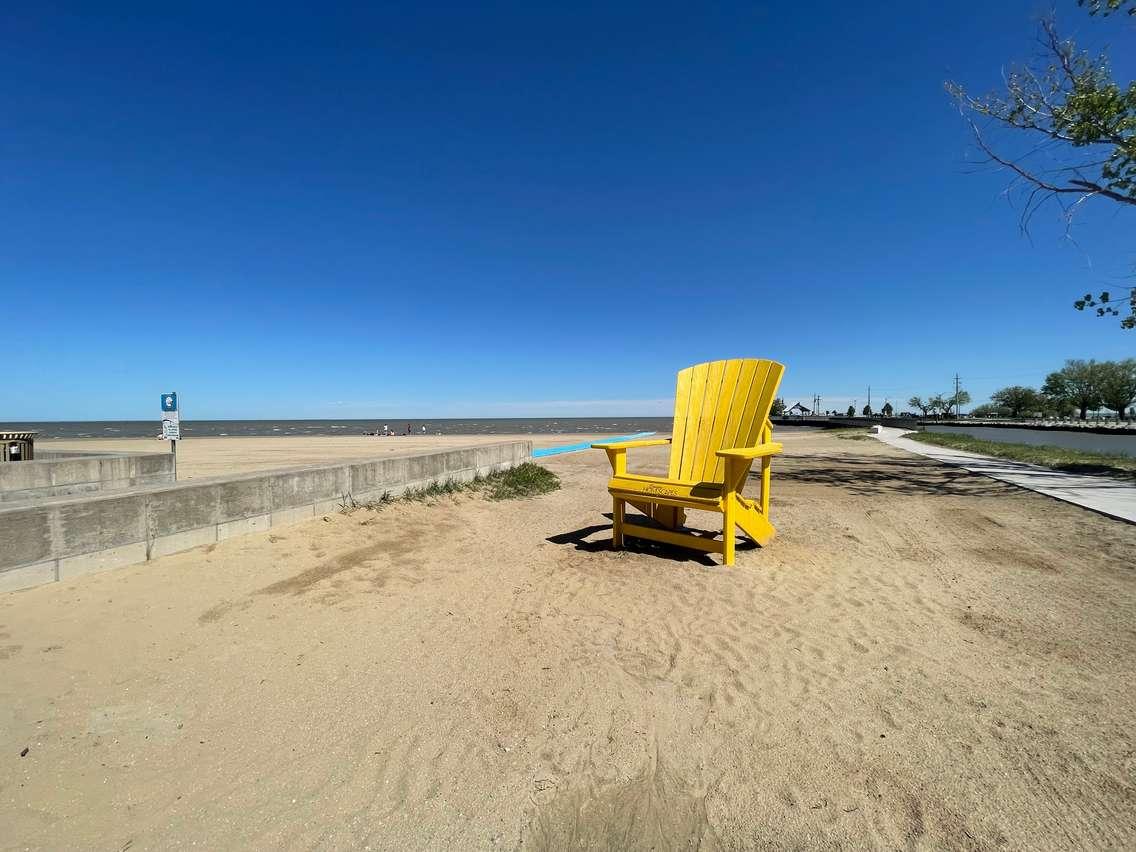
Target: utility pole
957 411
869 396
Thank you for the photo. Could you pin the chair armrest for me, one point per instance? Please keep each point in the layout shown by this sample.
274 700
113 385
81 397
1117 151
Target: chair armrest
761 450
627 445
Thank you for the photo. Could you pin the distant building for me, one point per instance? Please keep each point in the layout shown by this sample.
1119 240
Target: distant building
798 410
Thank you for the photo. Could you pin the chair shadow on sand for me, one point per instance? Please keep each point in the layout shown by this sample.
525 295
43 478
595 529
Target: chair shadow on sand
580 539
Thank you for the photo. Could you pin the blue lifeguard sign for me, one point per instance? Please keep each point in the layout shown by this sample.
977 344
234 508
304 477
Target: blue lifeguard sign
171 419
171 424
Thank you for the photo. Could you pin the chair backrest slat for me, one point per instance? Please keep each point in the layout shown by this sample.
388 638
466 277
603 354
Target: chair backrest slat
719 405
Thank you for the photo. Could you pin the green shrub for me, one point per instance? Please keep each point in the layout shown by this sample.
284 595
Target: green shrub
526 480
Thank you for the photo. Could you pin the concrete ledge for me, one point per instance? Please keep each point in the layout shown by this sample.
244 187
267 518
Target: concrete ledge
28 576
102 560
291 516
257 523
167 544
63 474
59 538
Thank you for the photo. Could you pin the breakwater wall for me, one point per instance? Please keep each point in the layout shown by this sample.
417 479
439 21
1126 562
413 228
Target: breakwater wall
60 538
58 474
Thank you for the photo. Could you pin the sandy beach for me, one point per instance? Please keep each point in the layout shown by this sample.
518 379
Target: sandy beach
199 457
924 658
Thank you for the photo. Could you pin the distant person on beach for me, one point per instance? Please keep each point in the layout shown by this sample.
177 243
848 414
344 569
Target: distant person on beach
407 428
386 429
423 428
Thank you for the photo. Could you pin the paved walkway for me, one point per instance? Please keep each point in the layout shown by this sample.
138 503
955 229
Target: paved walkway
1112 497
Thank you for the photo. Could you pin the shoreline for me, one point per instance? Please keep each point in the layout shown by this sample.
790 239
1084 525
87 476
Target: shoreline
231 454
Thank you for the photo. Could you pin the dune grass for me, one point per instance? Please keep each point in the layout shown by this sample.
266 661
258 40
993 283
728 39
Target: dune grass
525 480
1058 458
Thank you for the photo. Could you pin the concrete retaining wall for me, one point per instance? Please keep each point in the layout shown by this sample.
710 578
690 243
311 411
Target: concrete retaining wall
845 422
61 538
61 474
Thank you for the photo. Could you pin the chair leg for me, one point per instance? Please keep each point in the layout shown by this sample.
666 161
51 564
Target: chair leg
729 517
617 524
755 524
766 464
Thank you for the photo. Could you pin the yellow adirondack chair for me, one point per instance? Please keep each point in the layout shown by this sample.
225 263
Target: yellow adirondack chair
721 425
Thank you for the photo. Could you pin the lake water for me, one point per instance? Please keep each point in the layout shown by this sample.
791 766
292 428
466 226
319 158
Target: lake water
1070 439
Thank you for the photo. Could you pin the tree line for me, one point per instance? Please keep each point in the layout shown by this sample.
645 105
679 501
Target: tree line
940 405
1076 389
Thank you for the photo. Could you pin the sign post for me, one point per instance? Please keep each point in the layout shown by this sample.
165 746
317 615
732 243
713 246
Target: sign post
171 425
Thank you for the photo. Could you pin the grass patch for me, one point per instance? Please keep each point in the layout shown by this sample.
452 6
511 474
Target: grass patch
849 434
1058 458
526 480
349 504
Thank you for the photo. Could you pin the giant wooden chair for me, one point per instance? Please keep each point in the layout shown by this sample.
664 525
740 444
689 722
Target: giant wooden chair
721 425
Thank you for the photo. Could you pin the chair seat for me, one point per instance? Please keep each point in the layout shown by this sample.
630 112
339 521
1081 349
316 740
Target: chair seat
661 488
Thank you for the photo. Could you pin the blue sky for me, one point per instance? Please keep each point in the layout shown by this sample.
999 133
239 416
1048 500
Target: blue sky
515 209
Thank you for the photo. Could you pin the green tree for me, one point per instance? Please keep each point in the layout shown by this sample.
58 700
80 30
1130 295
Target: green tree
1072 134
851 412
917 402
867 412
1054 406
955 401
988 409
778 409
887 410
1106 301
1077 383
938 405
1017 401
1116 383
